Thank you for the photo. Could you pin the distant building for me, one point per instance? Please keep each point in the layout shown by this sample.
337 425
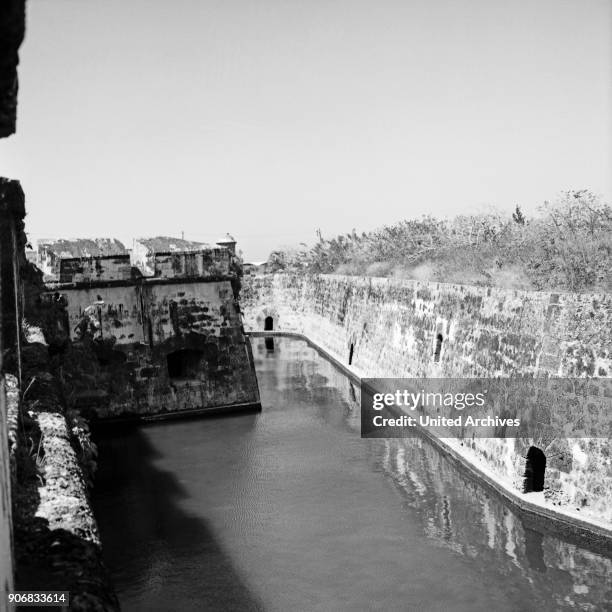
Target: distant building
52 252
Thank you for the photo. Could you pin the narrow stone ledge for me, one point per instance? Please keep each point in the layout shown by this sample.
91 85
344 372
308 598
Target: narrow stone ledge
63 499
57 543
12 421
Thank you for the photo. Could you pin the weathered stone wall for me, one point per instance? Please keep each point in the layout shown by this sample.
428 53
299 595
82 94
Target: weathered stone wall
52 254
119 314
204 263
94 269
394 328
174 258
57 546
393 325
12 240
158 347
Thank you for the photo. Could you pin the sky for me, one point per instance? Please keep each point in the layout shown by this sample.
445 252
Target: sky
271 119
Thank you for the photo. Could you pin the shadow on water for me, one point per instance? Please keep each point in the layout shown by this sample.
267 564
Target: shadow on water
152 545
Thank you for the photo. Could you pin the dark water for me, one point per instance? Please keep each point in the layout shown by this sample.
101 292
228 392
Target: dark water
291 510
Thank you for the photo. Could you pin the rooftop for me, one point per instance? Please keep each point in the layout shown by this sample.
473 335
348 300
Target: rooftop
165 244
83 247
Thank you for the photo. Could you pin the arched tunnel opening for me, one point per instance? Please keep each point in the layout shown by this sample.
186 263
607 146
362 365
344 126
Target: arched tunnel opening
269 324
535 469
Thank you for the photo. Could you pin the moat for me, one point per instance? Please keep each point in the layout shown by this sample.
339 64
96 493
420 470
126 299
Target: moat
289 509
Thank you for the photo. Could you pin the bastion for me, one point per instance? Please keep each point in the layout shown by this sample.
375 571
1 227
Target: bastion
170 343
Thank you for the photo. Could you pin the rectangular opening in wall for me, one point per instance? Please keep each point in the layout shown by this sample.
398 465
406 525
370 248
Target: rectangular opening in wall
438 351
184 364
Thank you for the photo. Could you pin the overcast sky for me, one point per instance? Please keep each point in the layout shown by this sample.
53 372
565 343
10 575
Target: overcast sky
272 118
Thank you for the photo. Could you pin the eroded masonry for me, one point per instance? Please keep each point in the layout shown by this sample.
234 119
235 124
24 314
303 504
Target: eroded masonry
163 327
381 328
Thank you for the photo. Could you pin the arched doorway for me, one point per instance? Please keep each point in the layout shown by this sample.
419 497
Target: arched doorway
269 323
535 469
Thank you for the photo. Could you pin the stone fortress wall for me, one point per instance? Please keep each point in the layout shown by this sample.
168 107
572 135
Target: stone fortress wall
388 328
160 347
153 334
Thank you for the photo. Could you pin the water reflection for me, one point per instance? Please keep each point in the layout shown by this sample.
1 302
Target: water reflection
299 512
458 514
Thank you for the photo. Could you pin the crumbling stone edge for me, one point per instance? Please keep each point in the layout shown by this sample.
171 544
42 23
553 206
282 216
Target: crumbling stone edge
57 543
581 532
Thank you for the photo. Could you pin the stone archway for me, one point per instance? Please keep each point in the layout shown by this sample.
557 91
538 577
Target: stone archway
267 320
535 469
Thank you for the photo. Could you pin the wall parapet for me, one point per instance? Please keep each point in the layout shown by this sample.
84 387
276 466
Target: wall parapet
56 535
